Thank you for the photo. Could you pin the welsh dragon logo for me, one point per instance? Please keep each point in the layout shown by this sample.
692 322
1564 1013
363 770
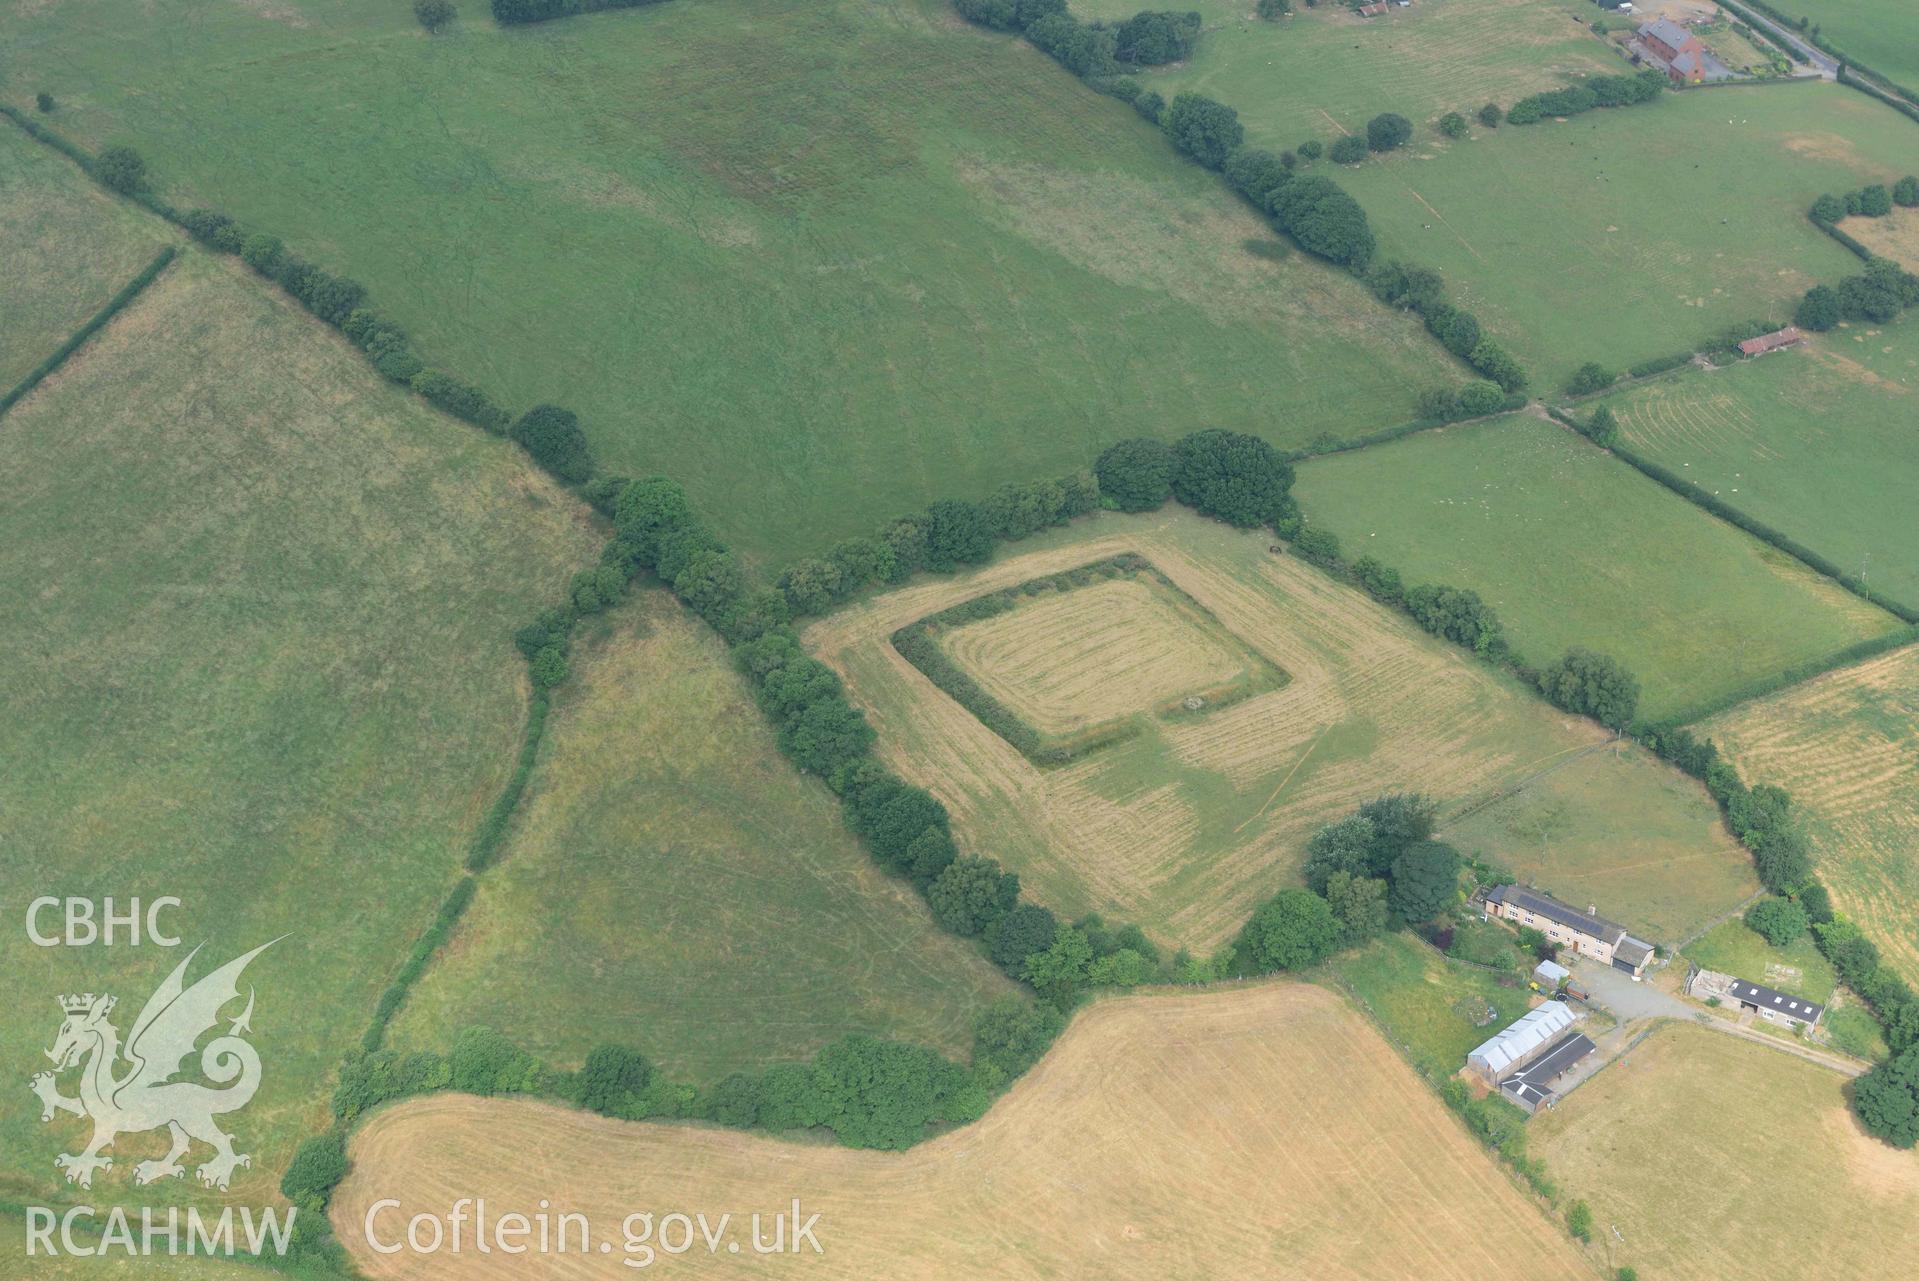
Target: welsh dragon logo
143 1094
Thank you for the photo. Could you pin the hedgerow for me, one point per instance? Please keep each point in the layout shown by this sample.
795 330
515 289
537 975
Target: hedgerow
59 356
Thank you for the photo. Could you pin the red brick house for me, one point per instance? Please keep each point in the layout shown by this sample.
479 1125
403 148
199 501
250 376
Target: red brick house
1681 50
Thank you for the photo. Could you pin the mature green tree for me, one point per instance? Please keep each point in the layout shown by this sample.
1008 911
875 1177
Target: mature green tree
553 437
1783 857
1457 614
1777 920
122 169
1906 192
709 582
1011 1034
1594 685
1453 125
827 735
1399 821
1059 972
1153 38
1886 1100
1590 377
1819 310
1311 150
611 1076
1388 131
1257 173
1828 208
1490 115
1424 881
957 533
1493 360
811 585
1348 149
1875 201
1342 847
1230 476
1602 428
1207 131
1579 1220
1027 929
1081 48
318 1165
1290 931
485 1062
433 14
1359 905
971 894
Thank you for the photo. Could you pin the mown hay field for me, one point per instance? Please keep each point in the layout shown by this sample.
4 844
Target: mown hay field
1073 659
1894 236
886 258
1714 1157
1189 823
671 883
70 247
1816 442
1846 745
263 606
1572 547
1106 1159
1326 71
1567 241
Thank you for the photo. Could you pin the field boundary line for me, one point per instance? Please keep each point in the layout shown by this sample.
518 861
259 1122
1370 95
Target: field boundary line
1792 677
98 321
1724 511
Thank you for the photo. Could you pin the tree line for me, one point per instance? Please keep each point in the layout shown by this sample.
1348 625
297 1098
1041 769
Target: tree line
1313 210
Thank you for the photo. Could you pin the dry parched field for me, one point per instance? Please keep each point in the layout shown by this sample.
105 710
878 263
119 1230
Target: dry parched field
1716 1158
1093 654
1185 826
1847 747
1261 1131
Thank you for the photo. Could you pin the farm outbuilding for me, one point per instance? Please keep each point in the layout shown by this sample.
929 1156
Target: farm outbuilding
1787 337
1521 1041
1550 974
1533 1086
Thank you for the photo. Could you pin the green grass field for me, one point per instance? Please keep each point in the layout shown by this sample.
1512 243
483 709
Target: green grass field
69 246
1797 968
1425 1004
1327 71
1185 826
261 613
1572 547
674 885
1818 443
1614 829
886 258
1572 241
1884 33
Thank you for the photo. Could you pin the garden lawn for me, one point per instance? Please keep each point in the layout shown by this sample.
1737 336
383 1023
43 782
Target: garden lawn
262 608
69 248
1572 547
1818 443
673 884
1620 236
1327 71
886 257
1425 1003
